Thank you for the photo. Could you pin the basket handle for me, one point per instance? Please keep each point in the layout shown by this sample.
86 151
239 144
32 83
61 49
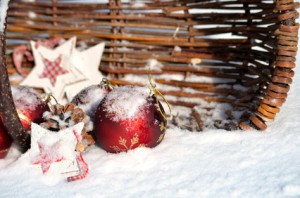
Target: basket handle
8 111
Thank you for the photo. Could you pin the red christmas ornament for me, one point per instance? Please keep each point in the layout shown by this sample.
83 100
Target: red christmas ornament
127 118
29 105
89 98
5 141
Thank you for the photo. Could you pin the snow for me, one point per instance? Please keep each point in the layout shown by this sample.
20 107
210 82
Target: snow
3 9
126 102
177 49
214 163
26 98
154 65
32 15
89 98
137 4
53 153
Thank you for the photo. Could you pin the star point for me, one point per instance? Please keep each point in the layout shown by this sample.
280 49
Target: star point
87 62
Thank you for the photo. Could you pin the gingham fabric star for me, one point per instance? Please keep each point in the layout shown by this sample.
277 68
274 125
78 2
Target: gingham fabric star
55 152
53 69
49 155
42 77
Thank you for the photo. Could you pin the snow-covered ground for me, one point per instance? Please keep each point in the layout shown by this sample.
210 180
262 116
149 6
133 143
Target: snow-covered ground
214 163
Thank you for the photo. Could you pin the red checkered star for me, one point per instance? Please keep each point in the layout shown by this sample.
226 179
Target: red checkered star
53 69
48 155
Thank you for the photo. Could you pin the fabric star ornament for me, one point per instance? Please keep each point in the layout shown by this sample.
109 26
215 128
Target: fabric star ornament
49 154
55 151
87 62
53 70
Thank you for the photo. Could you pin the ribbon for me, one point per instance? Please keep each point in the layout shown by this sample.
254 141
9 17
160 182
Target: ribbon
156 92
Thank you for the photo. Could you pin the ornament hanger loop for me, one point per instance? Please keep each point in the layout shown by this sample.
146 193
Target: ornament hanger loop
156 92
106 83
48 98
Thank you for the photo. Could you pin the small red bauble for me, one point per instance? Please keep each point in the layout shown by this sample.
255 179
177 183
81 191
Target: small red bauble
127 118
89 98
5 141
29 105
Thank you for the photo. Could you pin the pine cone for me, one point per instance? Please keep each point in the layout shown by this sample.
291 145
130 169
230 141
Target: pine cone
62 117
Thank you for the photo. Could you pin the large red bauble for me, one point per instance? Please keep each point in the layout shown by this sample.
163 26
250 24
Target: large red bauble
5 140
30 106
127 118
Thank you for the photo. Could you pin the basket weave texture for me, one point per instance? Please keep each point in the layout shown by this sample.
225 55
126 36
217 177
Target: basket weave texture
237 53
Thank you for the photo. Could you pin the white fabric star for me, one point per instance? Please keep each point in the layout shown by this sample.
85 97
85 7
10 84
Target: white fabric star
73 75
55 151
87 62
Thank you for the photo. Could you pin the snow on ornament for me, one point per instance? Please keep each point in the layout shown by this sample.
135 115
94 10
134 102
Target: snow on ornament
89 98
127 118
30 106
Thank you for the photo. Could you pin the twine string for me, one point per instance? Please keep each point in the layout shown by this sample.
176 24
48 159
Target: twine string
48 98
156 92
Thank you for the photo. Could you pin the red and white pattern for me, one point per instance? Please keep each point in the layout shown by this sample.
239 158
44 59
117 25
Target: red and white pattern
56 152
53 81
49 155
53 69
83 166
50 43
24 50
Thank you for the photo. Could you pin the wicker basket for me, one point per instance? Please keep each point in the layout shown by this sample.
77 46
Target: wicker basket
234 58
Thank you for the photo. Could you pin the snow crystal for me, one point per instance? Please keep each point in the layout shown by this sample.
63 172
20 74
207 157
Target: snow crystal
32 15
154 64
137 4
125 102
3 10
240 87
25 98
30 22
177 49
292 190
82 45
